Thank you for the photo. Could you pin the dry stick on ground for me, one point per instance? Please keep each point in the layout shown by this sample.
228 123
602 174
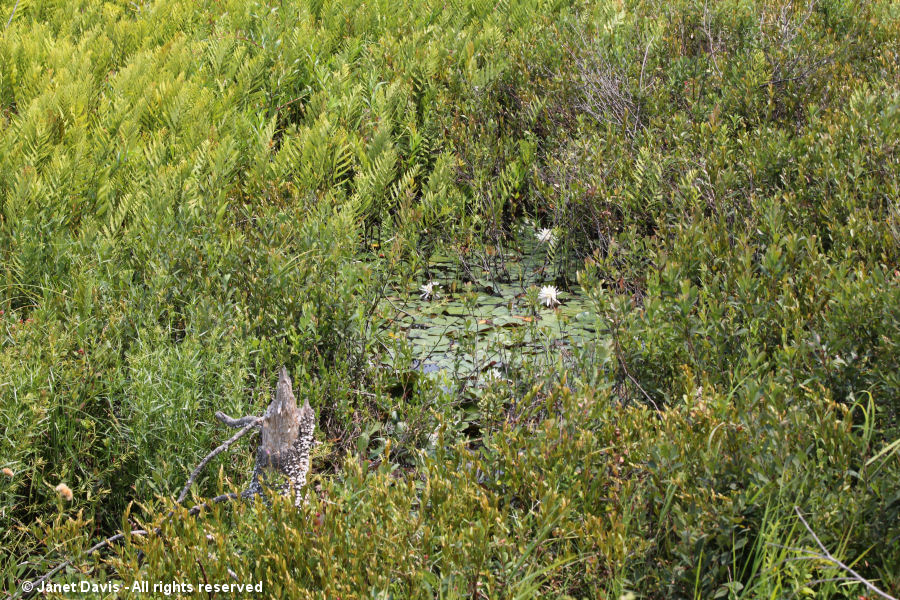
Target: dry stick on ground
287 436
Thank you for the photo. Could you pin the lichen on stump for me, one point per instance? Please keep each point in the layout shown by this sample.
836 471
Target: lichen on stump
285 442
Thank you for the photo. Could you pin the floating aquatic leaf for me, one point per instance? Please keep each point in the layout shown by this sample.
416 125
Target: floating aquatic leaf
456 309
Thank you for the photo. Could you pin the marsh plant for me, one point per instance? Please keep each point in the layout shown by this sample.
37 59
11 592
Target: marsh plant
671 227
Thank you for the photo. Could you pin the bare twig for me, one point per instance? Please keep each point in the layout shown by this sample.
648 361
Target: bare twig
248 423
15 6
604 89
829 557
644 64
236 423
289 102
799 77
252 424
205 578
618 350
713 45
398 309
37 582
778 35
199 507
635 382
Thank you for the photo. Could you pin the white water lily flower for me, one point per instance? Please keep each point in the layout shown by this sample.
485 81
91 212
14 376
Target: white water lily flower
493 374
545 236
427 290
547 296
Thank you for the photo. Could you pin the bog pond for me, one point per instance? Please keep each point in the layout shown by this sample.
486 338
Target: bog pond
474 320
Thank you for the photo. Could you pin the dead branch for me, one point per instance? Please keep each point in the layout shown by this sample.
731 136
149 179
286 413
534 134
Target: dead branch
827 556
11 15
236 423
37 582
223 447
778 34
223 498
604 89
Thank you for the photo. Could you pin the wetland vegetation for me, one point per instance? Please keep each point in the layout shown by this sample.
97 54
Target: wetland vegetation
590 299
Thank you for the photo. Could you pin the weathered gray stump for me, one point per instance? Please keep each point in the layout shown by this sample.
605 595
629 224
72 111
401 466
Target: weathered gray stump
286 437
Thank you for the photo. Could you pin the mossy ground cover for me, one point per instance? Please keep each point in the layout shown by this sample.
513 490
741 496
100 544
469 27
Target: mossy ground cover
195 193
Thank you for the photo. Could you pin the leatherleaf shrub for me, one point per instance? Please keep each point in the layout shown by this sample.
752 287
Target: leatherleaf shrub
590 500
193 194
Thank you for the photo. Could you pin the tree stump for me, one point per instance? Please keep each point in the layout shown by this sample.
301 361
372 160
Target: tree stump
285 442
286 437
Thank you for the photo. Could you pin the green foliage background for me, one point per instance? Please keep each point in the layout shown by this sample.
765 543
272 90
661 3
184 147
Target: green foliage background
194 193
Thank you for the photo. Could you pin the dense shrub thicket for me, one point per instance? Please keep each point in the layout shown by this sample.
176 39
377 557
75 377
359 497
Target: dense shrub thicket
194 193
